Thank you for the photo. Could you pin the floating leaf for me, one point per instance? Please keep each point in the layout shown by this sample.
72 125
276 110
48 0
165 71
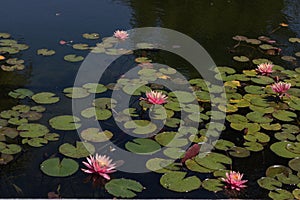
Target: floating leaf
45 98
280 148
91 36
174 152
274 170
183 96
295 164
241 58
288 58
73 58
4 35
253 146
76 92
160 165
65 122
32 130
266 46
177 182
104 103
95 88
263 80
11 149
20 93
55 167
213 185
293 40
239 152
223 144
171 139
258 117
94 135
81 150
124 188
260 61
45 52
9 132
142 146
284 115
269 183
289 179
296 193
36 142
140 126
81 46
280 194
5 158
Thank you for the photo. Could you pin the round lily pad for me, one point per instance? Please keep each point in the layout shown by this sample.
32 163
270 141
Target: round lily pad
280 194
288 179
142 146
94 135
81 46
171 139
174 152
263 80
280 148
95 88
269 183
274 170
65 122
241 58
32 130
140 126
183 96
45 98
81 150
160 165
239 152
213 185
177 182
76 92
45 52
73 58
91 36
284 115
124 188
11 149
20 93
55 167
295 164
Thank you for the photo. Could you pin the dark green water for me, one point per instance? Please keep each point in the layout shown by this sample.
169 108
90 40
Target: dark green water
211 23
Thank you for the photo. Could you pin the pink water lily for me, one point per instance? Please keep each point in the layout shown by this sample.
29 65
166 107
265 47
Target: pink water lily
99 164
122 35
281 88
155 97
265 68
234 181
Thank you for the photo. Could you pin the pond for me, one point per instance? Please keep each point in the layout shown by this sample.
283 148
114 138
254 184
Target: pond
197 124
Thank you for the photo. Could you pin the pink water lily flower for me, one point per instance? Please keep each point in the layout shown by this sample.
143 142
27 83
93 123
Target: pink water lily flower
234 181
265 68
122 35
101 165
155 97
281 88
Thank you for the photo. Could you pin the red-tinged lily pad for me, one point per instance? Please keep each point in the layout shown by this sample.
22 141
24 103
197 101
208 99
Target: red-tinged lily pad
59 168
123 188
176 181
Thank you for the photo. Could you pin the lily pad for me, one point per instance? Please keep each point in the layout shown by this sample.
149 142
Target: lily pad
171 139
183 96
104 103
280 148
293 40
177 182
241 58
141 126
95 88
263 80
20 93
73 58
65 122
36 142
274 170
91 36
76 92
9 132
289 179
81 150
7 114
258 117
94 135
284 115
55 167
142 146
81 46
213 185
295 164
124 188
11 149
239 152
45 98
45 52
269 183
160 165
32 130
280 194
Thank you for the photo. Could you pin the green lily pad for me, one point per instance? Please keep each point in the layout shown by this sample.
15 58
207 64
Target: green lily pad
132 89
31 115
284 115
141 126
253 146
262 80
172 122
32 130
124 188
177 182
260 109
52 136
11 149
99 114
45 52
104 103
280 194
174 152
266 46
7 114
289 179
91 36
95 88
223 144
285 136
168 70
280 148
65 122
271 127
260 61
21 108
76 92
236 118
296 193
94 135
213 185
269 183
294 147
274 170
160 165
73 58
258 117
192 165
36 142
289 58
253 89
295 164
183 97
81 150
20 93
45 98
212 160
81 46
55 167
17 121
142 146
38 108
5 158
171 139
257 137
241 58
239 152
4 35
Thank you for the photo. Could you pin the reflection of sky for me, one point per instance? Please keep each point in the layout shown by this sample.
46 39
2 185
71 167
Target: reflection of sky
291 9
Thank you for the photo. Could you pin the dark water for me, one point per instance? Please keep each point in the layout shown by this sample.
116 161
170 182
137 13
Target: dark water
41 24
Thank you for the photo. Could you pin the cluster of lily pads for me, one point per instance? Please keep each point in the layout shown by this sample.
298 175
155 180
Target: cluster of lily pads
253 110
